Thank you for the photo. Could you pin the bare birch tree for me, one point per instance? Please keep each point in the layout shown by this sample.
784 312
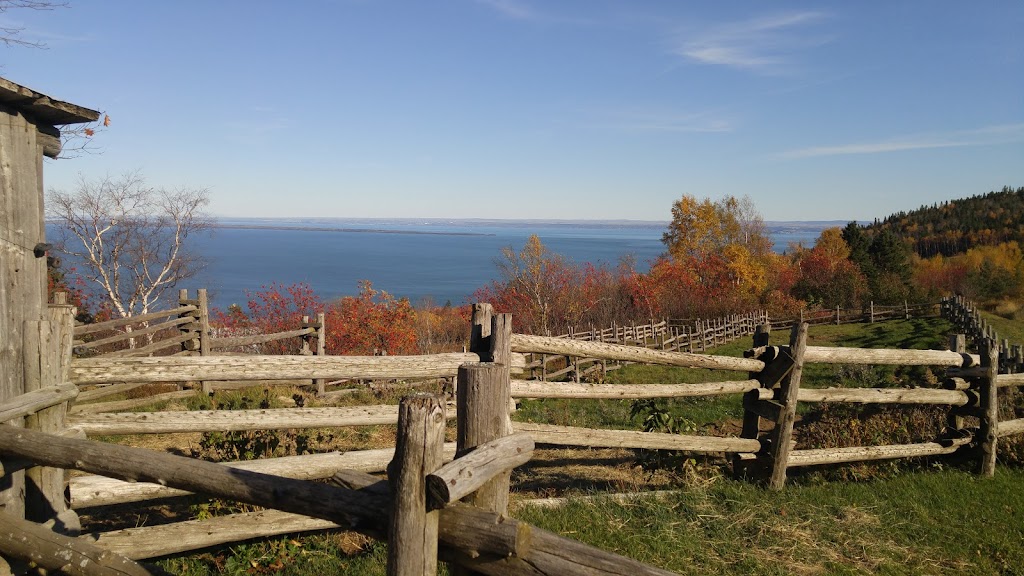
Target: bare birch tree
130 240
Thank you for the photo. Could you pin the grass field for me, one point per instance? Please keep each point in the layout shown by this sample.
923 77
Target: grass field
931 517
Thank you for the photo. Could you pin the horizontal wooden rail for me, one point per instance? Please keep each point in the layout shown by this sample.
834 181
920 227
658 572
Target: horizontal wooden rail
1010 427
90 491
535 389
885 396
110 324
32 402
216 343
107 390
864 453
120 405
134 333
549 345
151 348
1007 380
155 541
595 438
833 355
262 367
233 420
469 536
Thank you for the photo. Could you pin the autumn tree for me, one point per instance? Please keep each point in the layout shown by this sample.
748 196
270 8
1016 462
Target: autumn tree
129 241
372 322
700 228
827 277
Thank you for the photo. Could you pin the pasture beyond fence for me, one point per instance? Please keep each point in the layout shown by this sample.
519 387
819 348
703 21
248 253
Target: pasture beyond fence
478 536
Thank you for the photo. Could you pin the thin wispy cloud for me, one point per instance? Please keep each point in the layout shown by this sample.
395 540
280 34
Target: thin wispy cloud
986 136
511 9
766 45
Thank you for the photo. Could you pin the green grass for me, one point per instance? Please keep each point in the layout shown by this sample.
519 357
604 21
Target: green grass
1012 330
946 522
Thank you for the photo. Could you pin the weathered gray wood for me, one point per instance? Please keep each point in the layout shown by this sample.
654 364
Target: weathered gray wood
412 527
787 395
751 418
107 390
120 405
1008 380
162 540
152 329
595 438
885 396
462 477
864 453
321 350
830 355
988 430
482 398
232 420
1011 427
256 367
37 400
480 330
22 275
89 491
119 322
535 389
151 348
44 486
218 343
548 345
473 529
32 542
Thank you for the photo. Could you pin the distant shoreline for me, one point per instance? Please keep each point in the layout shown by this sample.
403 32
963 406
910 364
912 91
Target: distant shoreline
216 225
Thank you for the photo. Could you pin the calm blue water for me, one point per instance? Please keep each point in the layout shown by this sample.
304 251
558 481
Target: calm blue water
442 260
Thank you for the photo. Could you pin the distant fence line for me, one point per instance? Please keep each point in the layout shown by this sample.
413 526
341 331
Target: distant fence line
963 314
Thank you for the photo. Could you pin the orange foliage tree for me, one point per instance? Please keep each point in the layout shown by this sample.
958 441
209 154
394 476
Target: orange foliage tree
374 322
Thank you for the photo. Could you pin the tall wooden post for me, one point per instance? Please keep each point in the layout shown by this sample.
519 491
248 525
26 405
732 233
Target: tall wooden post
204 331
321 350
751 418
988 431
482 401
786 395
412 529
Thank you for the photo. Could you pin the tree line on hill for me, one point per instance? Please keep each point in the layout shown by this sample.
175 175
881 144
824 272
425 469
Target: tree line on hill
718 261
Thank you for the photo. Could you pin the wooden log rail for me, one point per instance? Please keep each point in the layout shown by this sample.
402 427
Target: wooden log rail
220 343
83 329
549 345
820 456
152 329
256 367
833 355
535 389
32 402
91 491
595 438
485 541
232 420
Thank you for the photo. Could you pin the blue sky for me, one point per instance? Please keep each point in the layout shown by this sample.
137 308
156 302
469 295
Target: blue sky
529 109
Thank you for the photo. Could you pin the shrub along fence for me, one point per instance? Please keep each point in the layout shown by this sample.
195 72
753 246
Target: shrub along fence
965 316
422 491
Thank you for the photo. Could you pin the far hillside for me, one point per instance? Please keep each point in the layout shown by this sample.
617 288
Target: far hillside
956 226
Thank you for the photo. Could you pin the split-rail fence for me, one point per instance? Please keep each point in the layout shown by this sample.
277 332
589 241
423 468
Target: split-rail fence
421 492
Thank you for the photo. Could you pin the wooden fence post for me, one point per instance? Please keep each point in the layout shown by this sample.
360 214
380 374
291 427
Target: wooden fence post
482 401
321 350
989 428
872 309
751 418
412 529
786 395
955 418
204 332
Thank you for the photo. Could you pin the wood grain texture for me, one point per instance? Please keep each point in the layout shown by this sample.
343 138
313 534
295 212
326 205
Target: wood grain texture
594 438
